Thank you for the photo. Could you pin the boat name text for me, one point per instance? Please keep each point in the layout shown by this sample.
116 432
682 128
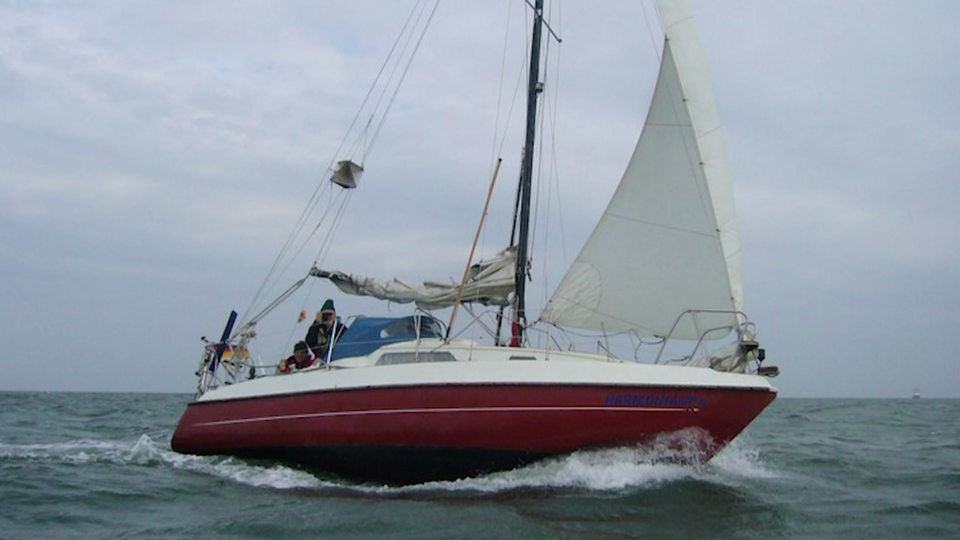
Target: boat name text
656 400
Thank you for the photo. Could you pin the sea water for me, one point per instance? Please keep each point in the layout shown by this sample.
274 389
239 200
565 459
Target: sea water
100 466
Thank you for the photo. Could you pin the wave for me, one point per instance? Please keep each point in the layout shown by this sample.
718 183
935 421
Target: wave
145 452
608 470
74 451
614 470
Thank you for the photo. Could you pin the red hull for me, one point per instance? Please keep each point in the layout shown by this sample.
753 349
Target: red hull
500 426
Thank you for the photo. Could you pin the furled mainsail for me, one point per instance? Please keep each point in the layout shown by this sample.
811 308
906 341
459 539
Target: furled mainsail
489 282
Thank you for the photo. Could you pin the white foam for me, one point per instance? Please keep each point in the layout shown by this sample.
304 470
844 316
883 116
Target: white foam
740 460
76 451
602 470
145 452
615 470
667 460
275 476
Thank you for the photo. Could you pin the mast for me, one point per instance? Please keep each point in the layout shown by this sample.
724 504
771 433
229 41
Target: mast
526 176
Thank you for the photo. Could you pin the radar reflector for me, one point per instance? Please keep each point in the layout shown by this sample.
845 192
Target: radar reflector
347 175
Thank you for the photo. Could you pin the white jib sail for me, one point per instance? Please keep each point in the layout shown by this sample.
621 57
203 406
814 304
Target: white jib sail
668 240
490 282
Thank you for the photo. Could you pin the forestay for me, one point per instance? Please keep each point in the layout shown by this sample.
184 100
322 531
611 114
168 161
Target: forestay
668 240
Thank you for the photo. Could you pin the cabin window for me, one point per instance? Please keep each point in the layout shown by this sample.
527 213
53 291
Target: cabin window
518 357
407 327
392 358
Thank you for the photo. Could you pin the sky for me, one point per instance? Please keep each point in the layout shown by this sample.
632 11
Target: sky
154 157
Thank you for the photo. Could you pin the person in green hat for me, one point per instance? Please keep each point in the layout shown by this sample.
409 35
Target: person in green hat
325 325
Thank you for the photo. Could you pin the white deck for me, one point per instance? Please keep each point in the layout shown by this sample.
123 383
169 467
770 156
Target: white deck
481 365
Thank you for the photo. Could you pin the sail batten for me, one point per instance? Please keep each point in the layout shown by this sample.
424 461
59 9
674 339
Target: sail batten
667 244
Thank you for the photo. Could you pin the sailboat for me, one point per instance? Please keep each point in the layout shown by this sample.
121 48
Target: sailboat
396 399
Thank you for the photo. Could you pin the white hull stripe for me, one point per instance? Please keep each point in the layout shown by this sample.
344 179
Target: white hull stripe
445 410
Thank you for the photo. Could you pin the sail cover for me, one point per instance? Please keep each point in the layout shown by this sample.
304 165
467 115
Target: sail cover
489 282
668 240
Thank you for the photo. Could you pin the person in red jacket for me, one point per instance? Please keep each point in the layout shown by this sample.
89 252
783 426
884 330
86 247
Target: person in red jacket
302 359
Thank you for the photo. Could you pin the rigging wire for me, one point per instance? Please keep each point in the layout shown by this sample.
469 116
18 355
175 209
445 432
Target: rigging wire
284 249
394 58
517 86
414 24
541 218
403 75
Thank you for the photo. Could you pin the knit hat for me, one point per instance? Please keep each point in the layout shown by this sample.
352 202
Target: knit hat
328 305
300 346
